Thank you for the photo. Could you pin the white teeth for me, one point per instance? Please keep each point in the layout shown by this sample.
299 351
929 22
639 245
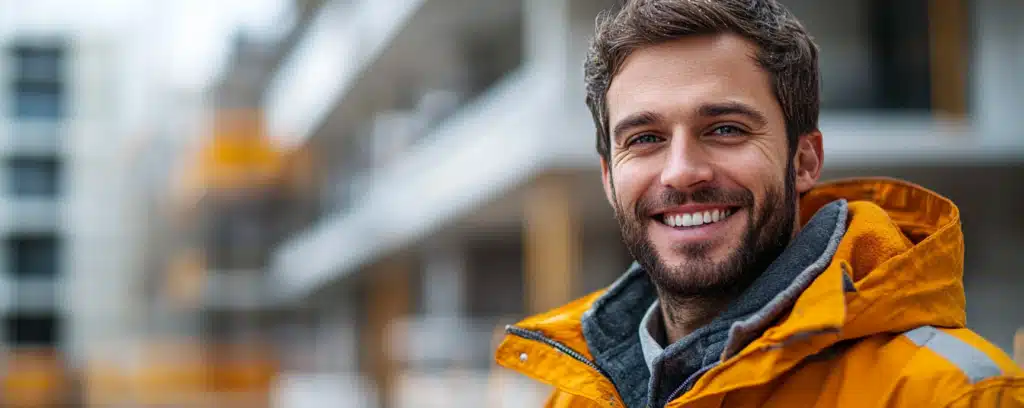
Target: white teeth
697 218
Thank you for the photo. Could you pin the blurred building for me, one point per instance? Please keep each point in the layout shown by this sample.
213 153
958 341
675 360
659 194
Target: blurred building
422 172
70 224
34 317
97 103
220 216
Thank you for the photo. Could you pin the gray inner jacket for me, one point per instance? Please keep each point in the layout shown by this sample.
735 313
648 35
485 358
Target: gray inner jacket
612 325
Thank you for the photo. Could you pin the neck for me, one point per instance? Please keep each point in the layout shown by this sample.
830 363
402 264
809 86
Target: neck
683 315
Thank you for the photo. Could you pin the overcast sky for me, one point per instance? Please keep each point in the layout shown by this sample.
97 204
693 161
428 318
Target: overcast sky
191 36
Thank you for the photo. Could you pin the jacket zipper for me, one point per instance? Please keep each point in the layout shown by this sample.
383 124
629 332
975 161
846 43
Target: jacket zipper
690 381
537 336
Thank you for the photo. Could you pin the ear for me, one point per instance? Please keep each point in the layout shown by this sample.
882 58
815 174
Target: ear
606 180
808 161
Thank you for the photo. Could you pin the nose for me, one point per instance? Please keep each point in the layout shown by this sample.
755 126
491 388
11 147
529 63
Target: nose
686 166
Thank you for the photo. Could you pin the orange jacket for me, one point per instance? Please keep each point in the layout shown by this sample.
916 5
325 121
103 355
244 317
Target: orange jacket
903 327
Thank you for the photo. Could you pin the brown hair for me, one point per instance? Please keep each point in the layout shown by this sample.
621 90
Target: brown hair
785 51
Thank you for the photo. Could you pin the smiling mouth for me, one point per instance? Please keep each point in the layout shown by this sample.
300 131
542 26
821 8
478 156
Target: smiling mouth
694 219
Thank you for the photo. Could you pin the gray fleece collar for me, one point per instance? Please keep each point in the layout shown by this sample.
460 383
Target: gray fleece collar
615 335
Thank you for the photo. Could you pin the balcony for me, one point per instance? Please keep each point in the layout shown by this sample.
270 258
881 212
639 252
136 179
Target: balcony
504 136
360 58
871 139
343 39
440 342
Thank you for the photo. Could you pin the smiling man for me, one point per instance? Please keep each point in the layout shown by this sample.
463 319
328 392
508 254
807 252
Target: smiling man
754 285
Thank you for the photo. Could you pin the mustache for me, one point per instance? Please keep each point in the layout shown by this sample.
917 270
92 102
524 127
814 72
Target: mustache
703 195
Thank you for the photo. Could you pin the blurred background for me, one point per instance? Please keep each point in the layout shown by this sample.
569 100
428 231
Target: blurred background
340 203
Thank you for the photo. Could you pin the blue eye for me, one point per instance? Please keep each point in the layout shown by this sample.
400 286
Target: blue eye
727 130
644 138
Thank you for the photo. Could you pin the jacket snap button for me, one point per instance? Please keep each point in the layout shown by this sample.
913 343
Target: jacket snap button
522 357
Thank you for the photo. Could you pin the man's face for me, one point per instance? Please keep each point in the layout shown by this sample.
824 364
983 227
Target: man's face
700 172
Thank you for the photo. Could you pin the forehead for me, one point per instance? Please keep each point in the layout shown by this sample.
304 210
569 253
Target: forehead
677 77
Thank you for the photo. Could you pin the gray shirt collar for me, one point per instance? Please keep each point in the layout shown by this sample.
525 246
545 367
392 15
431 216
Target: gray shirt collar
651 330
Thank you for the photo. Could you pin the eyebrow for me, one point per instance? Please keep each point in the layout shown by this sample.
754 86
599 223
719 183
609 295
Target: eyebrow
635 120
733 108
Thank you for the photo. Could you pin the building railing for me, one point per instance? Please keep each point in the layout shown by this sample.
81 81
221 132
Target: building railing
342 40
435 343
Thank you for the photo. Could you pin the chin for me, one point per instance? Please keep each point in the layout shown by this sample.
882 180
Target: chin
702 252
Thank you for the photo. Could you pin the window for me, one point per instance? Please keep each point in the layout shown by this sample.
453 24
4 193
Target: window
42 64
33 256
38 90
874 54
34 176
901 42
37 101
31 330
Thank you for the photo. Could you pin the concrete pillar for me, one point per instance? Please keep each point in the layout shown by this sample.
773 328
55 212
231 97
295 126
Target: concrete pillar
388 299
336 341
444 275
444 299
551 243
1018 347
947 20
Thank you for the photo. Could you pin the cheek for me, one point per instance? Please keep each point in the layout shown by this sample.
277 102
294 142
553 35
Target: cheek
752 169
631 181
750 160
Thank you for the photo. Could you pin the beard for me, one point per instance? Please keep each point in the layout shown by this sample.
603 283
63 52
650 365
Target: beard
769 230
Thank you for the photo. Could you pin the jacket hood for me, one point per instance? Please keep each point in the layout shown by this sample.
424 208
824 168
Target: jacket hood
903 251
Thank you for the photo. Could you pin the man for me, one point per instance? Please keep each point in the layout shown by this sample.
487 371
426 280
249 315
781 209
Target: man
752 286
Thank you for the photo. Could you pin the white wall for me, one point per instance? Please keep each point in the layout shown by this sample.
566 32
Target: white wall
997 84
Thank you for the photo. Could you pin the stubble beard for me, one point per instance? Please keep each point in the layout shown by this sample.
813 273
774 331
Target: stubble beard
701 279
